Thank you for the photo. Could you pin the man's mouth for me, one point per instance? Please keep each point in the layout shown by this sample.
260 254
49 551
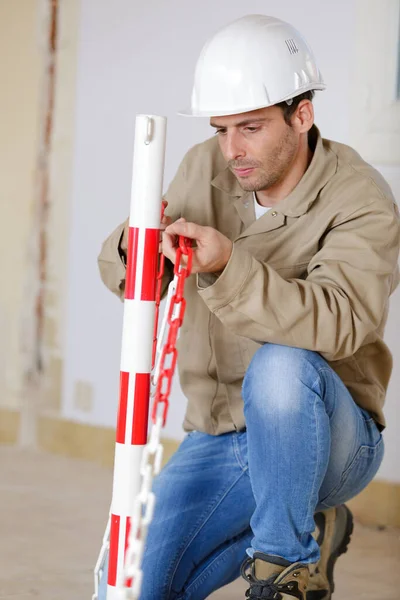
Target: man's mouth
243 171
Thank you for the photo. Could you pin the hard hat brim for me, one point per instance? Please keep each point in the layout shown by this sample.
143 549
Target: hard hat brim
188 112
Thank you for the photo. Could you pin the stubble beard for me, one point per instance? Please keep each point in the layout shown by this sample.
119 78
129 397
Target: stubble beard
270 171
264 181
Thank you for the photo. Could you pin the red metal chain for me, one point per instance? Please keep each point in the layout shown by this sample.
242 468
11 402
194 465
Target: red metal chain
175 316
158 294
157 313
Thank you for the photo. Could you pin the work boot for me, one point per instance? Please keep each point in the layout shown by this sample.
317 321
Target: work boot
333 532
269 581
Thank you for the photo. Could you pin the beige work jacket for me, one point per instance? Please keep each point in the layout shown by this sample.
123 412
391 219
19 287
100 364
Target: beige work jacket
315 272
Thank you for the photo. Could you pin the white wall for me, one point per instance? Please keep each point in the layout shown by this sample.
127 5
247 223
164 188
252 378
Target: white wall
139 57
390 468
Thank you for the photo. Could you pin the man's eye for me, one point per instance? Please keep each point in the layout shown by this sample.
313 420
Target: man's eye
220 131
251 129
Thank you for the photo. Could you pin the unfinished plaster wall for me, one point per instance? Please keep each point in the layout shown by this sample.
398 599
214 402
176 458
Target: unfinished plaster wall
20 74
374 130
122 72
140 57
38 73
60 186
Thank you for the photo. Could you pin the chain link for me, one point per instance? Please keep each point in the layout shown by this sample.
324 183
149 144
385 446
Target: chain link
166 354
153 451
175 315
99 568
160 341
159 279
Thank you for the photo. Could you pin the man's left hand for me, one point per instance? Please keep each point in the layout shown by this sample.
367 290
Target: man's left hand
213 248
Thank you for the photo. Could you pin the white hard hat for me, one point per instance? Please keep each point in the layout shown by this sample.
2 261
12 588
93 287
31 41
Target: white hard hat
254 62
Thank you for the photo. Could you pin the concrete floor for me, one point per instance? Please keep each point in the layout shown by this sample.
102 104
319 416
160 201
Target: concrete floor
53 512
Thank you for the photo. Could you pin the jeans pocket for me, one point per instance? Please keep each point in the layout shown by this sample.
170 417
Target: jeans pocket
358 474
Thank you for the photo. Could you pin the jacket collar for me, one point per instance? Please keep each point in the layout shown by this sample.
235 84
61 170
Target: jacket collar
321 169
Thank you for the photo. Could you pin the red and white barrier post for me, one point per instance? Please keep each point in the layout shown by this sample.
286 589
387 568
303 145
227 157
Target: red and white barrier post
137 338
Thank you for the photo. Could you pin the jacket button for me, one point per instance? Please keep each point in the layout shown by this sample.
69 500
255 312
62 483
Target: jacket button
274 213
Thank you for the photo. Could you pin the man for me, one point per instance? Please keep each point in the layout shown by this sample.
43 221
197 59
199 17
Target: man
281 353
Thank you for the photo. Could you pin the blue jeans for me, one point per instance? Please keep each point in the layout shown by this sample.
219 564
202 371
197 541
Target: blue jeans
307 447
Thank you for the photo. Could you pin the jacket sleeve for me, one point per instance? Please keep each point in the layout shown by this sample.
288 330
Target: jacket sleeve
341 301
111 262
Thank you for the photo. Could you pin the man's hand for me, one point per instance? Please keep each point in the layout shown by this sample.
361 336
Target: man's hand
165 221
213 248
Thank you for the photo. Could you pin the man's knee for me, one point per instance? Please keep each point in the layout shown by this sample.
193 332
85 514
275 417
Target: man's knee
277 374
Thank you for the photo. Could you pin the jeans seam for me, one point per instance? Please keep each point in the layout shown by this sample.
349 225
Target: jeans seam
346 473
209 569
197 531
317 461
170 572
236 452
329 370
316 468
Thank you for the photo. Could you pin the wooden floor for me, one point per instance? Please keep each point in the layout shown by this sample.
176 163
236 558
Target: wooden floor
52 517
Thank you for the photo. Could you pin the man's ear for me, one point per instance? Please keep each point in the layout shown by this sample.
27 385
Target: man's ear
303 118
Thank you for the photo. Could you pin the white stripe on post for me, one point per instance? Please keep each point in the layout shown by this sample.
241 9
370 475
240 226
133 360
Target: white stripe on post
136 347
126 480
137 337
114 593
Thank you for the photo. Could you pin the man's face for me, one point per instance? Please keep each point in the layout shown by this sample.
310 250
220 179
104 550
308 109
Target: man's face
259 146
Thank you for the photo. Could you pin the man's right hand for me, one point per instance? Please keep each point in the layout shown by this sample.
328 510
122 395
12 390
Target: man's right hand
165 221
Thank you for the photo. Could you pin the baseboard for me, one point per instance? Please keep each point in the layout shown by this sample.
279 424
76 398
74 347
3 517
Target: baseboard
69 438
378 505
79 440
9 426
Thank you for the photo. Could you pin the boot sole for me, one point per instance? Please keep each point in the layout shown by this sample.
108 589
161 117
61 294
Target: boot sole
341 549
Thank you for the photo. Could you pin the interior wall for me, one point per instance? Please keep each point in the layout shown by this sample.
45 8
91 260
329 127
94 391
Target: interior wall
20 74
390 469
123 72
61 163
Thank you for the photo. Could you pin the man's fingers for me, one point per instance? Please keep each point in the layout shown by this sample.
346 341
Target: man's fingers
124 237
170 239
169 245
189 230
165 221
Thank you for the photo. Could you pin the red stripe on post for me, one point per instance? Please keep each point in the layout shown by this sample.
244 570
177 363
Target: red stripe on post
122 407
131 263
128 582
141 409
150 264
113 560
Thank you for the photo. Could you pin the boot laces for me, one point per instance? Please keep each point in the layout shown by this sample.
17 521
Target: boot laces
259 589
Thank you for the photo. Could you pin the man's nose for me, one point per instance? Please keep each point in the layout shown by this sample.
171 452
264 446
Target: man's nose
233 148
